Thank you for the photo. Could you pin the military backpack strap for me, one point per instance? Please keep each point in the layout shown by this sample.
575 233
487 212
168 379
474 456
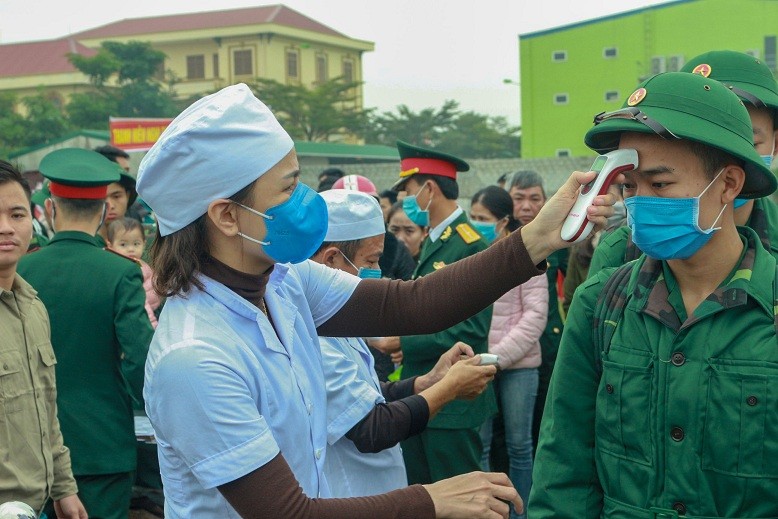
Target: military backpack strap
608 311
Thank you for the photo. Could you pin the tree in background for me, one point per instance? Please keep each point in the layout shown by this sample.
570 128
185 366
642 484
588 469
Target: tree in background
424 128
328 109
126 82
43 120
465 134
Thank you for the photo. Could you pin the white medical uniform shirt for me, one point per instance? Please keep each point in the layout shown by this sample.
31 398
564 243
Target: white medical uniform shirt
351 473
225 394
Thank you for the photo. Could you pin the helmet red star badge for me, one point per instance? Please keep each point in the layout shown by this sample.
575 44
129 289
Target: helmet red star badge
702 69
637 96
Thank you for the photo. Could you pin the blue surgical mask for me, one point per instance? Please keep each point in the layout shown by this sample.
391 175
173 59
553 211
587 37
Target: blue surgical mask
486 229
668 228
768 160
363 272
295 229
414 212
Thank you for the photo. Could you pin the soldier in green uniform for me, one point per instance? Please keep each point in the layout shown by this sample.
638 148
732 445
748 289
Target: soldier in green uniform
526 190
753 82
451 444
99 330
663 400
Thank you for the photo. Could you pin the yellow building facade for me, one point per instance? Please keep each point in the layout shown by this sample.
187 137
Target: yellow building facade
205 52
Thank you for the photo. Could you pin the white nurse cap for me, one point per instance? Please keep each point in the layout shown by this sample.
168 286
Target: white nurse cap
352 215
213 149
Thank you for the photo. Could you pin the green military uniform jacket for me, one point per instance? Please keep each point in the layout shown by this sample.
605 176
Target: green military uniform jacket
421 352
100 333
616 248
682 418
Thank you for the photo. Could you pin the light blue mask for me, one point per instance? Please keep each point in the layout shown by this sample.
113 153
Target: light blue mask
669 228
414 212
740 202
295 229
363 272
486 229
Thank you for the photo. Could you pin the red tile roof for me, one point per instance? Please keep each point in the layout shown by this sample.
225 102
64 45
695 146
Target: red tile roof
40 57
279 14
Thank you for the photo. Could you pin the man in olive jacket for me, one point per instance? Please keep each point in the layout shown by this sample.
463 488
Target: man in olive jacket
663 402
99 330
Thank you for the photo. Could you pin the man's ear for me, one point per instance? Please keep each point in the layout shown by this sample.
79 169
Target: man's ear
329 256
734 177
223 214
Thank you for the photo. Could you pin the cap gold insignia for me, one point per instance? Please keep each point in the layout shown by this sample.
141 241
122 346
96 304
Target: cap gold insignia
702 69
438 265
637 96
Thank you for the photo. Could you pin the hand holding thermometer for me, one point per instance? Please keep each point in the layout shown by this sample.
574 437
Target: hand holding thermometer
577 226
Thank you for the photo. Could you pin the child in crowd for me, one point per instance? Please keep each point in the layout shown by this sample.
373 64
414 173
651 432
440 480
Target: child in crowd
125 235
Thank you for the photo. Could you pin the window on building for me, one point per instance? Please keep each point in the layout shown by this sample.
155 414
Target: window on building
293 64
195 67
560 99
559 55
321 68
769 52
658 65
612 95
565 152
348 70
675 63
610 52
243 62
215 65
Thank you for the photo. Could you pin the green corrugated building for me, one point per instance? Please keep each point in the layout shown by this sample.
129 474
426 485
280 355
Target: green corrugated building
570 73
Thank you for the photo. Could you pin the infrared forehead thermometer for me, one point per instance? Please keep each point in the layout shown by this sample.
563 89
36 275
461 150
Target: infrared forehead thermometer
577 226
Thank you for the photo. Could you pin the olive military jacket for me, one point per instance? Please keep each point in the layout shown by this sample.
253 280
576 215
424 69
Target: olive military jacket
616 248
680 418
100 332
421 352
35 463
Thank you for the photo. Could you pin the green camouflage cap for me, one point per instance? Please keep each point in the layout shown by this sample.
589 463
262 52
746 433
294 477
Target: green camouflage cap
745 75
79 173
678 105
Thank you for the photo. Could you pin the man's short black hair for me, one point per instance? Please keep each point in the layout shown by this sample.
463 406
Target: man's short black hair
390 194
333 173
8 173
111 152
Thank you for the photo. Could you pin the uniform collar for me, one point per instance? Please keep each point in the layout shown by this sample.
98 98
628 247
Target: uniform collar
436 231
74 236
753 277
22 292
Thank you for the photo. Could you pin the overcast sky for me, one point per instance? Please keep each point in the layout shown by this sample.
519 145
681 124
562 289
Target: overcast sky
426 51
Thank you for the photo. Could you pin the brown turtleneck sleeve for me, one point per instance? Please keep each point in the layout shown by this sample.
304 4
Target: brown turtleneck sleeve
382 307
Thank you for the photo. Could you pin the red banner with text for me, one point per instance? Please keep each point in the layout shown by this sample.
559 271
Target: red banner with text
136 134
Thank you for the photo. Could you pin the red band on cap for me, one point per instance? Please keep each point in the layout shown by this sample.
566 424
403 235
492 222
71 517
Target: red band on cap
88 193
430 167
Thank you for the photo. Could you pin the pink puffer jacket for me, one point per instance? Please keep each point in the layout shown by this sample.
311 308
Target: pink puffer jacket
518 320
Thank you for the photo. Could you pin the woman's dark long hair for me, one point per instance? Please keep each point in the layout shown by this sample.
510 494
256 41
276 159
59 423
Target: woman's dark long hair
177 257
497 201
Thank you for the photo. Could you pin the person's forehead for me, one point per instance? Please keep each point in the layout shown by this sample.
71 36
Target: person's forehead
12 195
371 245
527 191
114 187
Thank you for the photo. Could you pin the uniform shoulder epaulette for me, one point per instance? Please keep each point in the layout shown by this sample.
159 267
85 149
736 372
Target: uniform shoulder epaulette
468 234
121 255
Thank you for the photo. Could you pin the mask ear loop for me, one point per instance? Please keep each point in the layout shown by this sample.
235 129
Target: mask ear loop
263 215
349 261
430 201
713 226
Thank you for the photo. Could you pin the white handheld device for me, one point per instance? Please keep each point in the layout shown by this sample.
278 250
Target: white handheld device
577 226
488 359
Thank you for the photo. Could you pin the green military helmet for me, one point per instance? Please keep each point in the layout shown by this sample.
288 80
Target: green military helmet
745 75
39 197
424 161
79 173
678 105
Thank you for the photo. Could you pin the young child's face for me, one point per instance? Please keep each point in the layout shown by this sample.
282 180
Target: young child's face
129 243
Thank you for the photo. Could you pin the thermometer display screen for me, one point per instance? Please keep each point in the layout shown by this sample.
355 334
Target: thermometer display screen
599 163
